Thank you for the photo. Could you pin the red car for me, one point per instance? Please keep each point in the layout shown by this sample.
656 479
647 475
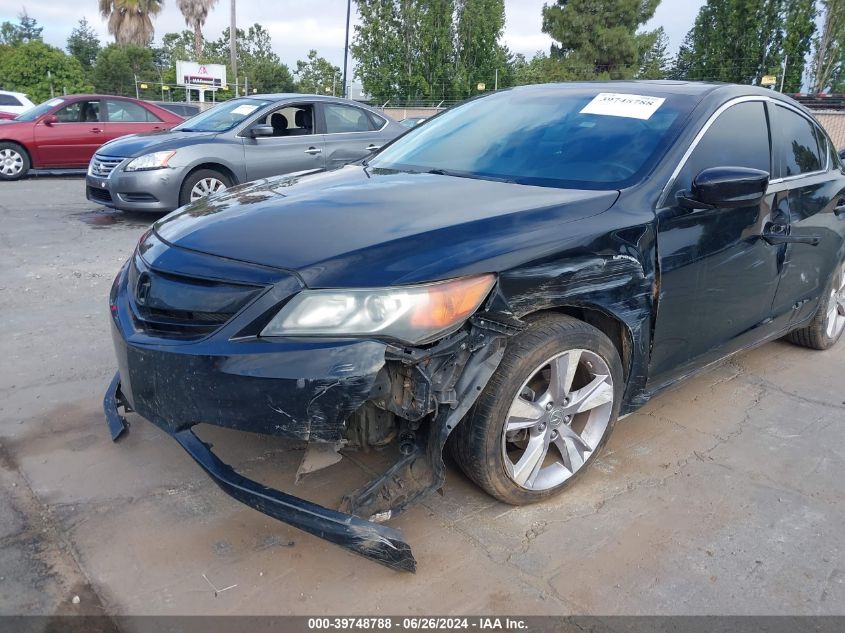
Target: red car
64 133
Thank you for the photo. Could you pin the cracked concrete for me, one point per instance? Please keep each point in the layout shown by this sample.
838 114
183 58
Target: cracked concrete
722 496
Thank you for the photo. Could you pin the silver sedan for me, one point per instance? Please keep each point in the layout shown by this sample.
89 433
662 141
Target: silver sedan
236 141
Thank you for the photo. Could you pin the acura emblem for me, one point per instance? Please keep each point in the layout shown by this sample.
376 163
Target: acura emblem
142 292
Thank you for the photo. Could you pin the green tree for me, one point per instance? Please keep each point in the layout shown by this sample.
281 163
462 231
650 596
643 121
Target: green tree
377 48
40 70
479 54
655 61
26 30
597 38
799 28
829 56
117 67
84 44
256 60
131 21
195 13
741 40
317 75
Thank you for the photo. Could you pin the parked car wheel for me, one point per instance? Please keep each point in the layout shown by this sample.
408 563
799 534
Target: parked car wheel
546 412
202 183
827 326
14 161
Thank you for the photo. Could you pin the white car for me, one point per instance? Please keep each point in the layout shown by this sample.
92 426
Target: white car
14 102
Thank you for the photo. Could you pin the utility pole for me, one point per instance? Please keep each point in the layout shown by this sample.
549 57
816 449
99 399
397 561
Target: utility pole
783 72
345 48
233 44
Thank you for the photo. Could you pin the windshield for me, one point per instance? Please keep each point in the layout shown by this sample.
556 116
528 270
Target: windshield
224 116
554 136
39 110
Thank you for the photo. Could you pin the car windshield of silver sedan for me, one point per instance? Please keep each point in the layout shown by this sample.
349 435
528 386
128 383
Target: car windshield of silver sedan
583 140
223 117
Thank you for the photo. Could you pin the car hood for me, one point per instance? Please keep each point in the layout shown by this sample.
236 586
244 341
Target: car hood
363 227
138 144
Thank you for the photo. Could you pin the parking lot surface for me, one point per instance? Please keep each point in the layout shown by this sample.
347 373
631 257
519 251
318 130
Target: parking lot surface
723 496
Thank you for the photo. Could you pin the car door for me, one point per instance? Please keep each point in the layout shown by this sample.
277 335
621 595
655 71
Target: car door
352 133
294 145
72 138
718 277
127 117
809 172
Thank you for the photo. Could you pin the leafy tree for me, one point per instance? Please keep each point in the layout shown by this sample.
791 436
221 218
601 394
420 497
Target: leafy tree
26 30
539 69
742 40
256 60
195 13
131 21
430 50
479 28
799 28
597 38
84 44
654 59
829 62
317 75
117 67
40 70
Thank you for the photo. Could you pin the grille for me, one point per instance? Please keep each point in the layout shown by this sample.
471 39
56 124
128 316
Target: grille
102 166
178 306
100 195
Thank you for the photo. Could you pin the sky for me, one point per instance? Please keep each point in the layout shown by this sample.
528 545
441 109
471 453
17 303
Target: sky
298 26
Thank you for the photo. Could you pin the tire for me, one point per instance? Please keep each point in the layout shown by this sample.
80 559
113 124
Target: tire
483 448
14 161
827 326
202 175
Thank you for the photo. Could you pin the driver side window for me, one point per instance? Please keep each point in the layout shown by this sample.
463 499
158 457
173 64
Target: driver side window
80 112
739 137
291 120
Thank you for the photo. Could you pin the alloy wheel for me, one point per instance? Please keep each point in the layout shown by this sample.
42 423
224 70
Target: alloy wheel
206 187
558 419
836 307
11 162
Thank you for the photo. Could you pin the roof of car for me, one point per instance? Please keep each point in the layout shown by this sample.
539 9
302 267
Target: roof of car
12 92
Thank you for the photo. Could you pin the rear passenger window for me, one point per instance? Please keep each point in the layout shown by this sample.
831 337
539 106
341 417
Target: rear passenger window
739 137
795 143
340 118
9 100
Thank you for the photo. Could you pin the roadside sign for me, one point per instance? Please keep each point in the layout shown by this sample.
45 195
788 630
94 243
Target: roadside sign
768 80
200 76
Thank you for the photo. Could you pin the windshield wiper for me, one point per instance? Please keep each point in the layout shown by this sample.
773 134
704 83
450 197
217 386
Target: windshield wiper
464 174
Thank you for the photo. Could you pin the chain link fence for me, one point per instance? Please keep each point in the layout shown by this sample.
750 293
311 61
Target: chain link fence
834 124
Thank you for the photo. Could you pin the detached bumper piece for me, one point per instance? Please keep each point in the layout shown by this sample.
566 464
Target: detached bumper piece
377 542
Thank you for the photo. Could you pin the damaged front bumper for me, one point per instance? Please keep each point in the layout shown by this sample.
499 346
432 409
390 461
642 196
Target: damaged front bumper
308 389
377 542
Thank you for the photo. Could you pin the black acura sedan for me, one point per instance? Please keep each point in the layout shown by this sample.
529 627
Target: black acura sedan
508 279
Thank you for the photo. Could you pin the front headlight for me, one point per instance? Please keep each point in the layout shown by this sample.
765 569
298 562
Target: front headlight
413 314
156 160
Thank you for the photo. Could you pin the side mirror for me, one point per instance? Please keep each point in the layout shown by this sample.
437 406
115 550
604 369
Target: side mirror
261 130
725 188
50 119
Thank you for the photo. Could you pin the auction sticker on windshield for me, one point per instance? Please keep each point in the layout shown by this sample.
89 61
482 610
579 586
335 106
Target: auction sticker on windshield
245 109
630 106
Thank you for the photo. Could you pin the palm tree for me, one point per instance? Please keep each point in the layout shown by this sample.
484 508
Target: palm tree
130 21
195 12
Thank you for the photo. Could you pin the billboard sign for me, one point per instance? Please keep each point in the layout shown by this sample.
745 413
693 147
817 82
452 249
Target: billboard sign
200 76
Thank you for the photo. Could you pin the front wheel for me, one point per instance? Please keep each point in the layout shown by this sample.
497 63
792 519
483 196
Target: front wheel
202 183
545 413
14 161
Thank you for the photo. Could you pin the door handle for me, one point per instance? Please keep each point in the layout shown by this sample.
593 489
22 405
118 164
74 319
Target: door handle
313 151
839 209
777 234
372 148
96 130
